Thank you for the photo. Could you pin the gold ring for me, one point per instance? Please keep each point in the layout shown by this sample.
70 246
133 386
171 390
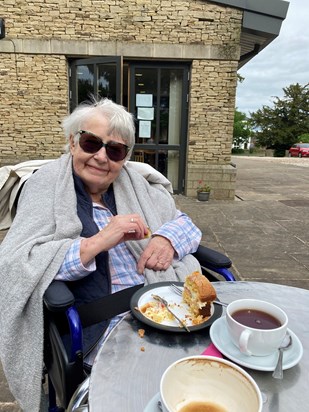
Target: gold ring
132 220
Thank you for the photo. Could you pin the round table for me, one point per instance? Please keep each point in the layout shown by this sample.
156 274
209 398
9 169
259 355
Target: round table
127 371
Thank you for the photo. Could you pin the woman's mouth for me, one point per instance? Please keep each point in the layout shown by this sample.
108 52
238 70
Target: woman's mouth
97 169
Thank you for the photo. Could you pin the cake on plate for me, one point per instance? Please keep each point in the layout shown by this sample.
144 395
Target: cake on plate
198 294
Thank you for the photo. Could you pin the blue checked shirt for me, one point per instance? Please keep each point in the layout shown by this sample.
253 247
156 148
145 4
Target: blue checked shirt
181 232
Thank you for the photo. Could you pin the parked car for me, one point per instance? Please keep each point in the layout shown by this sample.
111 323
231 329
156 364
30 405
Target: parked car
299 149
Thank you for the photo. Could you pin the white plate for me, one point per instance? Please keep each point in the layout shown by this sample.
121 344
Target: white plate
152 405
221 339
163 289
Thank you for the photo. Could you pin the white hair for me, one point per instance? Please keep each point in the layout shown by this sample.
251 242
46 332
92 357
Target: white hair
121 122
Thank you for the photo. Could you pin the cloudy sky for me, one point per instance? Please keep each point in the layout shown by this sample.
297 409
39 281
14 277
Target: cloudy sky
283 62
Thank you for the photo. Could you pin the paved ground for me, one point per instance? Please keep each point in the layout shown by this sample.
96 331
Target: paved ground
263 231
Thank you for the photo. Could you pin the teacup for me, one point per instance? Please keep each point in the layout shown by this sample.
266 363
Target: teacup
215 384
256 327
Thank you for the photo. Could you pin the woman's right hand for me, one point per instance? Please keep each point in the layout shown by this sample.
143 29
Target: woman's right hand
119 229
123 227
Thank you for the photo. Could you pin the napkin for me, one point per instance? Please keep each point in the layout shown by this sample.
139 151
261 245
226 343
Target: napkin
211 350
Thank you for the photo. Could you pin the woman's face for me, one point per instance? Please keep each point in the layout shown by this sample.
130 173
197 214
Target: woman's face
96 170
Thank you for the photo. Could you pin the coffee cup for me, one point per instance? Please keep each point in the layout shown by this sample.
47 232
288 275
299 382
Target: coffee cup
207 383
256 327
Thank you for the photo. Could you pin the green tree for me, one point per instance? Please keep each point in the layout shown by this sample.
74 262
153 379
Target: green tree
241 131
303 138
280 126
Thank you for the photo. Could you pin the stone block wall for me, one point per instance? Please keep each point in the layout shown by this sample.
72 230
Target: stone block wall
220 178
212 103
158 21
211 127
33 102
42 36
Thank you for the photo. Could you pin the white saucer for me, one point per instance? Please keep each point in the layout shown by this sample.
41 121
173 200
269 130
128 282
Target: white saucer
221 339
152 405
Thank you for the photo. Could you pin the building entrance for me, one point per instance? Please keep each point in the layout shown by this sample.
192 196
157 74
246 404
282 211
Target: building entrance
157 95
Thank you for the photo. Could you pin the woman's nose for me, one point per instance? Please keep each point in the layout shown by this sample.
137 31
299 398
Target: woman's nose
101 154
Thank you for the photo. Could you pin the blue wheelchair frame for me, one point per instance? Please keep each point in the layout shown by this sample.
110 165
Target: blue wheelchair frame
59 299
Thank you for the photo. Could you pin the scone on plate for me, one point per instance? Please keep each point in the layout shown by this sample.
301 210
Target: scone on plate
198 294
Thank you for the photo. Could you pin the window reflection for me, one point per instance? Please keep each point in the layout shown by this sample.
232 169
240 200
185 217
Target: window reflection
97 78
173 168
85 81
171 101
107 81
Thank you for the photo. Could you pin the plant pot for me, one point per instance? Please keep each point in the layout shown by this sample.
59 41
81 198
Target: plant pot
203 196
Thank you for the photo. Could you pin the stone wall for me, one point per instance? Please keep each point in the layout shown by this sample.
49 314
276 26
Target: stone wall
159 21
212 103
42 35
211 127
33 103
220 178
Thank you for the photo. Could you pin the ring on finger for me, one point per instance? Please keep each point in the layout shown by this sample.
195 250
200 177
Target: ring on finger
132 220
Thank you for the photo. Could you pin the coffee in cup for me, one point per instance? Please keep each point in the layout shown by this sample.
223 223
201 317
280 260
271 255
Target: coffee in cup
256 327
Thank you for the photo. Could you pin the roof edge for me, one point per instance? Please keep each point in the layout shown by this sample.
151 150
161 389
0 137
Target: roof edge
274 8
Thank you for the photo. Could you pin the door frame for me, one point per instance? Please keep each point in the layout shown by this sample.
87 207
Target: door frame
182 147
132 66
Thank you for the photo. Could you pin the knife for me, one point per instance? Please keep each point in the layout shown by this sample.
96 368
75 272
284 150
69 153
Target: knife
165 303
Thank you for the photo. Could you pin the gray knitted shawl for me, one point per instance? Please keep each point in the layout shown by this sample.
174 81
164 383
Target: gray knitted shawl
32 252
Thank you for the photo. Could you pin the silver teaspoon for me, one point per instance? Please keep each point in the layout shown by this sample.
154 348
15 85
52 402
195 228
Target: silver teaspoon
287 342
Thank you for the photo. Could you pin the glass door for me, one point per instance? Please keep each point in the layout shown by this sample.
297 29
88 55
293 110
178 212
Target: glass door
157 94
158 99
98 76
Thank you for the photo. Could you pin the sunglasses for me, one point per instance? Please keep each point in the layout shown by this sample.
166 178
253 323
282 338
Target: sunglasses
90 143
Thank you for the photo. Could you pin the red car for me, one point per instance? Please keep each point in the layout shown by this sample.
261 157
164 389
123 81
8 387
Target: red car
299 149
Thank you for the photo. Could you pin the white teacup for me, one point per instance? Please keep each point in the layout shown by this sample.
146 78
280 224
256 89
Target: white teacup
213 383
247 323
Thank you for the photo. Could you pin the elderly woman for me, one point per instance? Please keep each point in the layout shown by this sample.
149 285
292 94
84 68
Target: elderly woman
94 220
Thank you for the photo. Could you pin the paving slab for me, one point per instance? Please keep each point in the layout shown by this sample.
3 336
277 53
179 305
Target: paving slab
264 230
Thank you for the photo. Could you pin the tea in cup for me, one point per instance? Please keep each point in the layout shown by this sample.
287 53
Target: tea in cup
256 327
207 383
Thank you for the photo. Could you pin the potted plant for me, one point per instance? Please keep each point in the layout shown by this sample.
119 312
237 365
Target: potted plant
203 191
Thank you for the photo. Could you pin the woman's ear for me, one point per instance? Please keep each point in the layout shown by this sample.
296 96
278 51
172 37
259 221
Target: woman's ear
72 144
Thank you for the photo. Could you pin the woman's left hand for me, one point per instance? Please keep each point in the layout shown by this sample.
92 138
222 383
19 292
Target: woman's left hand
158 255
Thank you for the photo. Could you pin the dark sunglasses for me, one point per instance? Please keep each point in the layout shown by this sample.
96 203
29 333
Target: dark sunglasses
90 143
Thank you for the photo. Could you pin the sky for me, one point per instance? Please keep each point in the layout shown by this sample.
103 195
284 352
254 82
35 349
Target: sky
283 62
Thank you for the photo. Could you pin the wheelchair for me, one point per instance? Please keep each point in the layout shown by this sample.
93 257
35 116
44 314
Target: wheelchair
68 379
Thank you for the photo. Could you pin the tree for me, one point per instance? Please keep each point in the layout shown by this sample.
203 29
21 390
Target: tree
280 127
303 138
241 132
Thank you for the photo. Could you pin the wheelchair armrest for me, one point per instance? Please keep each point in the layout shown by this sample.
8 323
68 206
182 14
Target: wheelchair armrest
211 257
58 297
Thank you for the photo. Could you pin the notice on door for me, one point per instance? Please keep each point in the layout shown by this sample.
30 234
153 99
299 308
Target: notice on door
144 100
145 113
144 129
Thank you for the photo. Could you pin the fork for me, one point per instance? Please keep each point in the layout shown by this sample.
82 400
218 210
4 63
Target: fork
165 303
178 291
